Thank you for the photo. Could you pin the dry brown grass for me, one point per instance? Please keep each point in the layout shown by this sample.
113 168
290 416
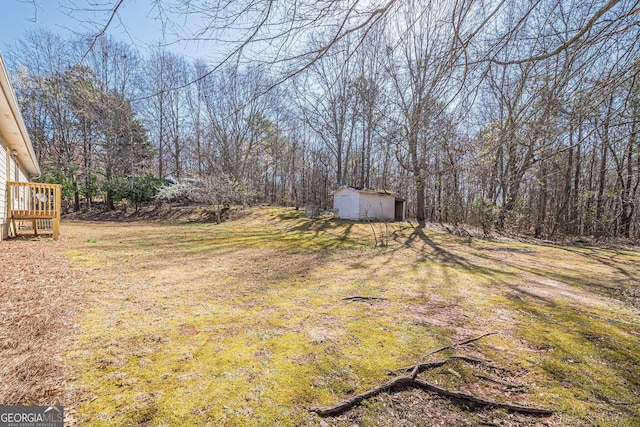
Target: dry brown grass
39 300
245 323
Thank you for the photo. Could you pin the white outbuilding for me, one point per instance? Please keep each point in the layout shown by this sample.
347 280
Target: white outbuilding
366 204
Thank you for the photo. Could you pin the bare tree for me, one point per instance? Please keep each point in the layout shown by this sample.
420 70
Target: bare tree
330 106
423 71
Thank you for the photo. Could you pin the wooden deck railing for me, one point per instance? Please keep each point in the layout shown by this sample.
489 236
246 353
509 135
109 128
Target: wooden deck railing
35 202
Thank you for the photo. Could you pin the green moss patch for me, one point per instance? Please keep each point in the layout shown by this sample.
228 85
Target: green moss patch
246 322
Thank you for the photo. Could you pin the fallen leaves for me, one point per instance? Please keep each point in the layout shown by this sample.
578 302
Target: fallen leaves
39 300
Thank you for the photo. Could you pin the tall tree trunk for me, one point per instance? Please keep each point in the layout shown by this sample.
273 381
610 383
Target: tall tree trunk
627 201
599 227
76 197
339 178
108 202
542 209
576 221
161 135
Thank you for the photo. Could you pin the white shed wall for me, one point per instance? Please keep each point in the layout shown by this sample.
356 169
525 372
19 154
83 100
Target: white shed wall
357 205
346 202
376 206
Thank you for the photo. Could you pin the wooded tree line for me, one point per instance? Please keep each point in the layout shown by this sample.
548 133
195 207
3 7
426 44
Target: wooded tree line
520 116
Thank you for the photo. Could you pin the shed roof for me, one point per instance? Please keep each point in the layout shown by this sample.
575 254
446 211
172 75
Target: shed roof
368 191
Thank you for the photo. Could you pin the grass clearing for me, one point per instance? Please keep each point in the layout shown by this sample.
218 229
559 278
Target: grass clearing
243 323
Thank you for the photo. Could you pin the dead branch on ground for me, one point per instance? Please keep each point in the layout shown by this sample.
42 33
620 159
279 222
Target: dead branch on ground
423 366
504 384
447 347
411 380
362 298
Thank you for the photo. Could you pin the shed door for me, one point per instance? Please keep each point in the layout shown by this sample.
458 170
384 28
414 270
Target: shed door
399 210
345 206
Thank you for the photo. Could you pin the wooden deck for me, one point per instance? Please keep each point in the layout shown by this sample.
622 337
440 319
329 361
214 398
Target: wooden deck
34 207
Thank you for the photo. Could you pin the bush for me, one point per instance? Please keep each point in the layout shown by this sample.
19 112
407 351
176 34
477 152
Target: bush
135 189
143 188
56 177
180 192
223 190
218 192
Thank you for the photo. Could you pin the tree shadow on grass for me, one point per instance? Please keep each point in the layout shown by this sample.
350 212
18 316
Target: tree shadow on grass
429 249
414 238
341 230
619 283
612 261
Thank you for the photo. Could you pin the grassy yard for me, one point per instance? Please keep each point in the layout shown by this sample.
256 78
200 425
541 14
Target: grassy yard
244 323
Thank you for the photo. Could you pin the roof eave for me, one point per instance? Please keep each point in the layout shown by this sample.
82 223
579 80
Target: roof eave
14 131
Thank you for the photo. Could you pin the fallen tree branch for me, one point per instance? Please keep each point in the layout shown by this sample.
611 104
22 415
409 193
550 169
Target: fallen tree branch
471 360
411 380
362 298
479 400
408 381
423 366
340 407
499 382
416 368
447 347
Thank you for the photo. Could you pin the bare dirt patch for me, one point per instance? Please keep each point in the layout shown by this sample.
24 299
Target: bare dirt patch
39 301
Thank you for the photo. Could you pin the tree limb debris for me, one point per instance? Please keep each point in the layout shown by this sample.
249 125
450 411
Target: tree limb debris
340 407
362 298
447 347
406 381
411 381
500 382
481 401
423 366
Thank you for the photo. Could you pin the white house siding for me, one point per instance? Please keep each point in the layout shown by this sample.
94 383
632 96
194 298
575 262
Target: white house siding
4 158
23 176
8 169
376 206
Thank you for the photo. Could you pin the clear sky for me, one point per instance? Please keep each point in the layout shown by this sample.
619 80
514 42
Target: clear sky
136 22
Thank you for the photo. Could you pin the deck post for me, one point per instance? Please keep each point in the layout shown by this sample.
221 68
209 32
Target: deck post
58 208
7 224
9 219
